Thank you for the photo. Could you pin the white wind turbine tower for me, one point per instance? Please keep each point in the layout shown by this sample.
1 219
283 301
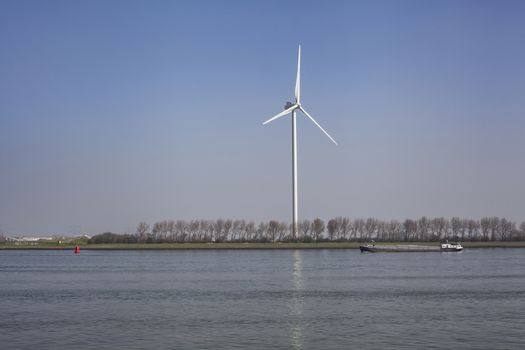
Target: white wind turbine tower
291 108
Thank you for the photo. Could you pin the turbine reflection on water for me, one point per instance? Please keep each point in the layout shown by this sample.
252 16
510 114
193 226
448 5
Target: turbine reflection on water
296 303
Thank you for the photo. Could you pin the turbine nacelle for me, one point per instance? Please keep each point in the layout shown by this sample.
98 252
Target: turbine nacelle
288 105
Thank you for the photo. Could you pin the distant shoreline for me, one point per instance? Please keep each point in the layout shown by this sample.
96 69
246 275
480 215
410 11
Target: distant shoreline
239 246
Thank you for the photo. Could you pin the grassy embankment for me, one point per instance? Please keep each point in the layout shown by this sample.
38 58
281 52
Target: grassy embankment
182 246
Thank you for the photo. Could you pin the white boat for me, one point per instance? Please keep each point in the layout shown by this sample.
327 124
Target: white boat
451 247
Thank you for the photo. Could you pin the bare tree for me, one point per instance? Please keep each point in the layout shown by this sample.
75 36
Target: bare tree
439 228
395 230
273 230
237 228
521 236
382 230
142 231
181 231
284 230
262 232
305 227
228 225
472 229
494 226
218 230
248 231
155 230
356 229
455 224
343 228
423 228
352 230
463 229
204 230
359 227
331 227
506 228
485 228
193 232
318 228
171 230
410 229
370 228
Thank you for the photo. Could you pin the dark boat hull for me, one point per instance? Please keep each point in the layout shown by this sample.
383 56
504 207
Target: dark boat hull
451 249
398 248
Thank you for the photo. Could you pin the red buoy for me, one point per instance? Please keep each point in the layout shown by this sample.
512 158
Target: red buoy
77 250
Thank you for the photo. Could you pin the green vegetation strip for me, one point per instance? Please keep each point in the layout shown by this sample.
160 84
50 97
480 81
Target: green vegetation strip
183 246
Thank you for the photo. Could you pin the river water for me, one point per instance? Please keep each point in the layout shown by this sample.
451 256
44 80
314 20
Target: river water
262 299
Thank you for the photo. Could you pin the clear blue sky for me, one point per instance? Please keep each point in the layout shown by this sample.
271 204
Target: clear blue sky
114 112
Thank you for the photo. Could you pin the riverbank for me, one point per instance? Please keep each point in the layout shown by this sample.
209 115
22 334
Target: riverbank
277 245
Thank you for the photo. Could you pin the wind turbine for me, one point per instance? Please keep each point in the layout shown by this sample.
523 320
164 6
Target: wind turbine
292 108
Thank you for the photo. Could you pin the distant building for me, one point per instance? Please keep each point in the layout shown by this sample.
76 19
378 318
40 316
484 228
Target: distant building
34 240
28 239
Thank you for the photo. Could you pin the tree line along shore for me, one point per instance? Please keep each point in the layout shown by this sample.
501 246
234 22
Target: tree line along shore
338 229
339 232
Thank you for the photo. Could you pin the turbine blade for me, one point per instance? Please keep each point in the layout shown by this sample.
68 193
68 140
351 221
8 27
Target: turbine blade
283 113
316 123
298 79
